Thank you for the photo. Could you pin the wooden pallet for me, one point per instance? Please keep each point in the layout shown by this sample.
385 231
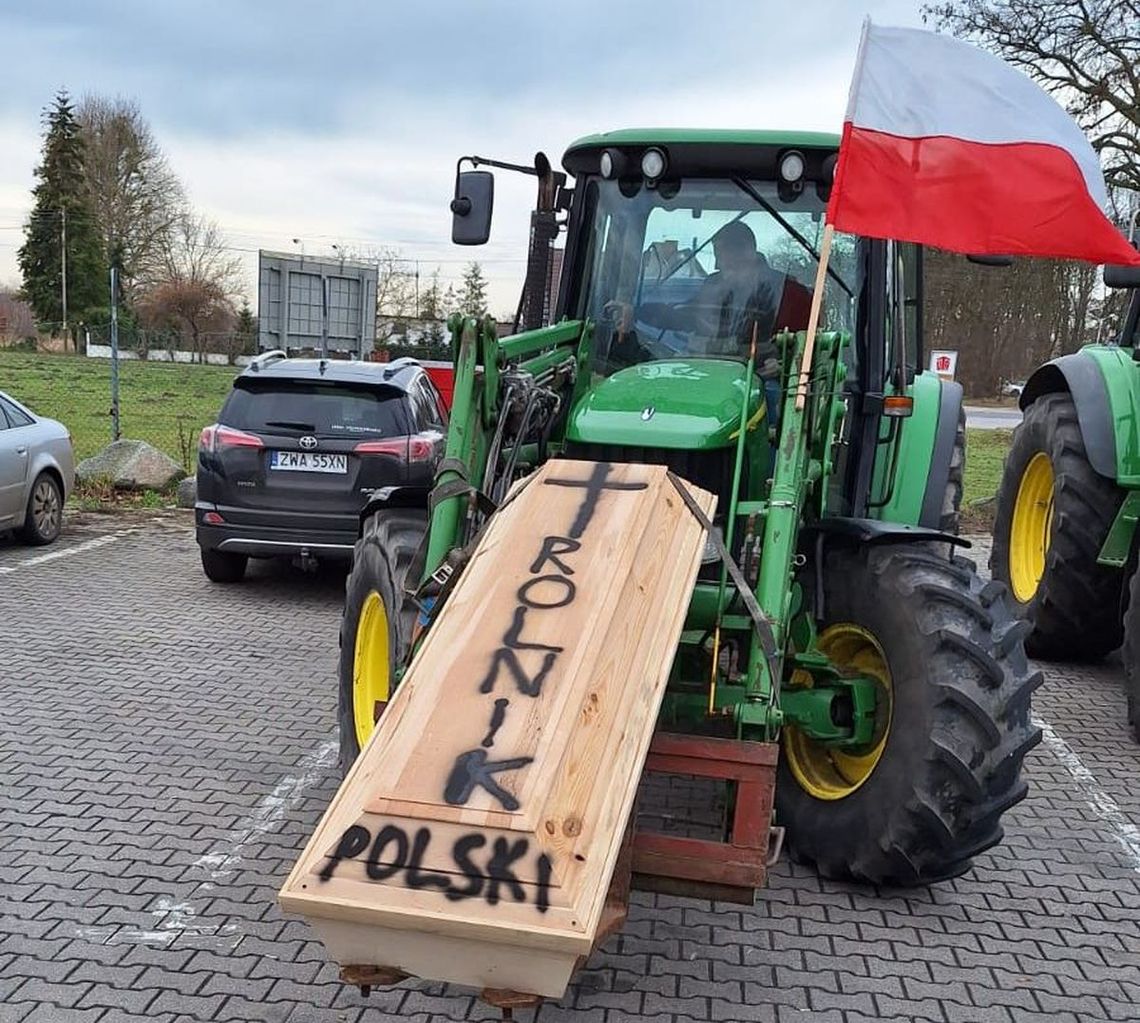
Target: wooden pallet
475 839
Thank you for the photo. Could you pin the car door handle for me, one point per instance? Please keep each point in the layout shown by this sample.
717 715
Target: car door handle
21 451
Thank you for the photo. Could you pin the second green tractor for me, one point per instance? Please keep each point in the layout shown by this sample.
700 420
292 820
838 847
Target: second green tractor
1065 537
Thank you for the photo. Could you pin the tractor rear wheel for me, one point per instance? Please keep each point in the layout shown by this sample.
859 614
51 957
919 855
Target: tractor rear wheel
928 791
1131 653
377 624
1053 514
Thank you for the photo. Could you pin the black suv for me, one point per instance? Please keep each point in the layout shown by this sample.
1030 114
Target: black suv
297 448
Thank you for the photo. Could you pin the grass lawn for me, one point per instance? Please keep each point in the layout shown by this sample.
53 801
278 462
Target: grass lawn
162 403
985 452
167 404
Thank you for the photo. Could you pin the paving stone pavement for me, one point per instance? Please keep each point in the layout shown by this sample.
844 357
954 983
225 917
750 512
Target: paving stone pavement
166 747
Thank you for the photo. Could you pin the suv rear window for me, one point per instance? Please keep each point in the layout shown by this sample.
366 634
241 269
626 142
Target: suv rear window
329 410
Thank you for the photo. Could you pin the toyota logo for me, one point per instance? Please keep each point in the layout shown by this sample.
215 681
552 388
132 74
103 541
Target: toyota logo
308 443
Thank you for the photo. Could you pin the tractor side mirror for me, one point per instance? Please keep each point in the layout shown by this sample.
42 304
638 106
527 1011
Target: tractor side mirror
471 207
981 260
1122 276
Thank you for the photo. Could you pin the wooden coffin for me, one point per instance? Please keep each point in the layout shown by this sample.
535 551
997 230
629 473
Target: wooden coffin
475 837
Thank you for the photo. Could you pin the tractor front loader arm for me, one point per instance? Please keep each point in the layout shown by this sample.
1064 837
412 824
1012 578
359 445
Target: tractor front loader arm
495 384
804 462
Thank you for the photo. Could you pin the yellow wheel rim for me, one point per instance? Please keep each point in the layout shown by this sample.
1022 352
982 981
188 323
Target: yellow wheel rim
1031 528
827 772
371 667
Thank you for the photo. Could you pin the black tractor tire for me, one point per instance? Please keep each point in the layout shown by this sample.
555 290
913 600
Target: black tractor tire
959 729
224 567
382 556
1075 610
950 519
1131 654
43 518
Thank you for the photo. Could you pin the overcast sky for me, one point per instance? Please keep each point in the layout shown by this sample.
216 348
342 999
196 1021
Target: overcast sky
340 122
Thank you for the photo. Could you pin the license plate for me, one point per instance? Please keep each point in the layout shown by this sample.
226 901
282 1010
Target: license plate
308 461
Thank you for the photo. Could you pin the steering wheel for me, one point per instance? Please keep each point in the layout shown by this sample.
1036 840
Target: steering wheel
625 346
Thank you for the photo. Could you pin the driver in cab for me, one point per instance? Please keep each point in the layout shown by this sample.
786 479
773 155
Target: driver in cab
744 290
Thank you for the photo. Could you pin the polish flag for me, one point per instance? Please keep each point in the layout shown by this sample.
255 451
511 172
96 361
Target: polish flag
948 145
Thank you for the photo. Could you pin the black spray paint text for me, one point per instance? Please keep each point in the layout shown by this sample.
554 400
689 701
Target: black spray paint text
550 588
480 867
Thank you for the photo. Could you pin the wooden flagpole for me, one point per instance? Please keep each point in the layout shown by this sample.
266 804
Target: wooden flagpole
813 317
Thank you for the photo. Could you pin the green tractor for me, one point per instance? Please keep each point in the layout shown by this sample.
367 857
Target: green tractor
841 623
1065 538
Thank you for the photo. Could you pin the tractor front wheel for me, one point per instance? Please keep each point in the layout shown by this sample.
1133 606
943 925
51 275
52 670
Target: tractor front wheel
377 624
1054 511
927 791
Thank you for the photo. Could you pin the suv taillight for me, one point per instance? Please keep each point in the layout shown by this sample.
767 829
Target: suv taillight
415 449
392 446
217 437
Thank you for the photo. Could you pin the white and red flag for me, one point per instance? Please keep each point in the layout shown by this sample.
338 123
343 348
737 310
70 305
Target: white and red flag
948 145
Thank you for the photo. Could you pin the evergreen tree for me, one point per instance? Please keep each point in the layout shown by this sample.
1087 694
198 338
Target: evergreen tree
246 330
61 196
434 340
450 303
473 299
431 299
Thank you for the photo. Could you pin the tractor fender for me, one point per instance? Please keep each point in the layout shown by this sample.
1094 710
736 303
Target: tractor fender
945 437
392 497
914 476
1082 377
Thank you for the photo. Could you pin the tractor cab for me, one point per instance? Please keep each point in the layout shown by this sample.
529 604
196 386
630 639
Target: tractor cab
693 252
693 257
675 255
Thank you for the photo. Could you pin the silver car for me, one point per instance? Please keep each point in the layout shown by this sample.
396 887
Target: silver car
37 470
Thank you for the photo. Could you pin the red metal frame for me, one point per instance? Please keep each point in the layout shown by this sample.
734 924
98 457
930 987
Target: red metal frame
740 862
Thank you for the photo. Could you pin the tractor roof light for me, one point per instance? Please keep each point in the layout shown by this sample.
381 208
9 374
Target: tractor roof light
612 163
652 164
792 166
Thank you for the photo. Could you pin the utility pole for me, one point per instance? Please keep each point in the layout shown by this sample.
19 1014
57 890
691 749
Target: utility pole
63 269
114 353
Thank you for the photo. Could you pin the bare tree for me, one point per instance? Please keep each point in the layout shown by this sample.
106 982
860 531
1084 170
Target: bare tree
192 309
137 199
195 249
395 282
17 320
396 287
196 281
1005 322
1085 52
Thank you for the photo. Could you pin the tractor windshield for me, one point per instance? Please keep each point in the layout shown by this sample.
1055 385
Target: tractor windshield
692 268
